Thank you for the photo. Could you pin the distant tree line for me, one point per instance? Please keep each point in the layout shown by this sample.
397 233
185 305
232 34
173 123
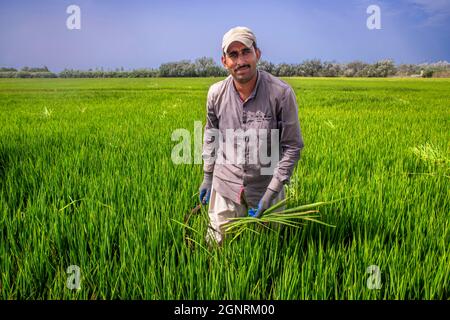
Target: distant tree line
383 68
27 72
207 67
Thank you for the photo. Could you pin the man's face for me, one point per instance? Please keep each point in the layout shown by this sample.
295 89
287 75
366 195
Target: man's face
241 61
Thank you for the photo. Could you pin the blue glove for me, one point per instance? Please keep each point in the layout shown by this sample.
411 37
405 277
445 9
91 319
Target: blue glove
205 187
252 212
263 204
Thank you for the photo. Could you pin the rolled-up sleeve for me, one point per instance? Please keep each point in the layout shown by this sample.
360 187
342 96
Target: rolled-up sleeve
210 140
291 140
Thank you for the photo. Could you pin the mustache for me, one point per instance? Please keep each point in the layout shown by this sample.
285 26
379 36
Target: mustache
243 66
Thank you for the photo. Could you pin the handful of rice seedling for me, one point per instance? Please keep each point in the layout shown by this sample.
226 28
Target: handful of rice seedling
294 217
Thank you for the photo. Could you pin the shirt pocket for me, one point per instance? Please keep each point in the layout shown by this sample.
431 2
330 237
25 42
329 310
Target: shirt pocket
259 120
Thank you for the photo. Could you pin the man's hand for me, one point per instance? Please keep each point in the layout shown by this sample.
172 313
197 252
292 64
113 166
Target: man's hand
205 187
271 193
263 204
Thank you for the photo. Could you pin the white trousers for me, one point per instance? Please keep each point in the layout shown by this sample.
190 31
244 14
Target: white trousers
220 211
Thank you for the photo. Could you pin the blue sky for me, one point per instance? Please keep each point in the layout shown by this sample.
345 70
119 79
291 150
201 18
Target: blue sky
136 34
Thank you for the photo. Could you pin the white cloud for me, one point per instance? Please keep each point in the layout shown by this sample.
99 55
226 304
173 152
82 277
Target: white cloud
437 11
433 6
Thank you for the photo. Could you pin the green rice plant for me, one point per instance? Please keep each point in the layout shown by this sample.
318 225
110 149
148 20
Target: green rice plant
47 112
430 153
295 217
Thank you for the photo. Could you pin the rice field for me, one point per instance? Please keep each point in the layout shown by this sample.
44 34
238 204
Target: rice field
87 180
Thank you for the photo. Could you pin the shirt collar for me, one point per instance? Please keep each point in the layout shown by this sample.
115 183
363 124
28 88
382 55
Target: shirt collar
255 89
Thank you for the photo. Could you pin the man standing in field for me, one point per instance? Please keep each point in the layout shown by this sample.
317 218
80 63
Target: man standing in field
253 115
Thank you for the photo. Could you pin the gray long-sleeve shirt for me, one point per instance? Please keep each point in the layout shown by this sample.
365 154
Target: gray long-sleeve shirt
271 112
